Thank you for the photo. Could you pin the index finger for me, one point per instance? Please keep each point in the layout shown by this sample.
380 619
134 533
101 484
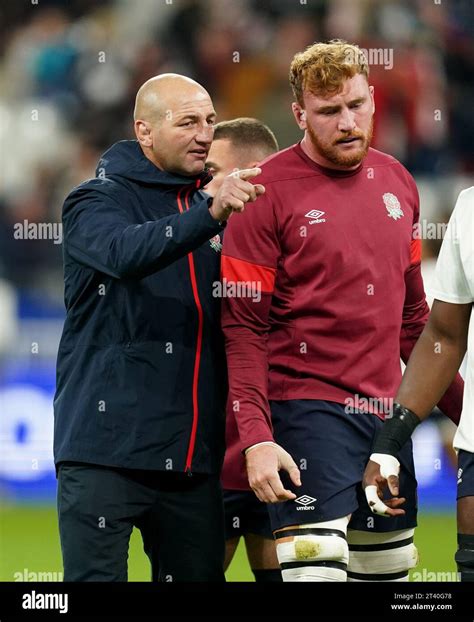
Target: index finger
376 505
247 173
281 493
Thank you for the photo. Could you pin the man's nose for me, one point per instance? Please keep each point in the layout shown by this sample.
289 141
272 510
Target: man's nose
205 134
346 121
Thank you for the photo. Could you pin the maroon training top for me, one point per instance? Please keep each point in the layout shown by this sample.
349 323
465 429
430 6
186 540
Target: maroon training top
327 295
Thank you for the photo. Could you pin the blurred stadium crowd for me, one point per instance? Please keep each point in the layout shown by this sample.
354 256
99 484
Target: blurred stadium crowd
69 71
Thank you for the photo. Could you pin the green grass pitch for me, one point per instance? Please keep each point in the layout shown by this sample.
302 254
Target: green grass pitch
29 543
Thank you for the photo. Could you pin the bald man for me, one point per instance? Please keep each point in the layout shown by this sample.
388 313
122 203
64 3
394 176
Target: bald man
141 375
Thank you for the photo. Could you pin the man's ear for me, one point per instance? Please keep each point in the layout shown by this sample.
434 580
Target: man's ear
143 133
371 90
300 115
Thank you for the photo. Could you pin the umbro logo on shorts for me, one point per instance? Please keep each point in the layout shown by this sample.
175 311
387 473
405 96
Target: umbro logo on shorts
304 502
459 476
315 215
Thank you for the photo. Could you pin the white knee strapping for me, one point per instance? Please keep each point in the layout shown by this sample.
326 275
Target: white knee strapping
316 552
381 556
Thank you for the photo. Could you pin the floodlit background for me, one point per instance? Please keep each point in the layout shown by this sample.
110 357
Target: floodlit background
69 71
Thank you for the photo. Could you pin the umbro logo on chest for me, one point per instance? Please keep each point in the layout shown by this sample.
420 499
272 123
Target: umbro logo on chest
315 217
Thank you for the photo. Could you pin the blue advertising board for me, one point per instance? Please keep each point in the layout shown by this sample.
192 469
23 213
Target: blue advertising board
26 437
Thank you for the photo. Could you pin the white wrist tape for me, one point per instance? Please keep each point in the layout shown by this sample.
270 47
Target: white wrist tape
376 505
389 465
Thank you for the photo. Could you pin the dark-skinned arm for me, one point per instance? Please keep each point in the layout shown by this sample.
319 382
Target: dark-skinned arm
431 368
436 358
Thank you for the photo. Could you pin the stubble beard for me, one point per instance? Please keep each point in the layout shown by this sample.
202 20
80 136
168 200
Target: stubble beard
331 153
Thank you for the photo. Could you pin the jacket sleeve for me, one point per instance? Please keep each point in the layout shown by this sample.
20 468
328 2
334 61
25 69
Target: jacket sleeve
250 256
100 233
415 316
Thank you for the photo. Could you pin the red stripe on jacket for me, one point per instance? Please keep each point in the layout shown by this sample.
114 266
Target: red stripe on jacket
197 359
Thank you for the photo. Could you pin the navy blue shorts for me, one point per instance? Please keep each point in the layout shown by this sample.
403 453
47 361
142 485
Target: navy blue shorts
244 513
331 449
465 474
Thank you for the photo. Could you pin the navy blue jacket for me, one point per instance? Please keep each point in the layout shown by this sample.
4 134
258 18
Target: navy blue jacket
141 375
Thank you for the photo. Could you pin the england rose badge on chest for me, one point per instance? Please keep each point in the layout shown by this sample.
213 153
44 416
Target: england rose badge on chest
216 243
392 205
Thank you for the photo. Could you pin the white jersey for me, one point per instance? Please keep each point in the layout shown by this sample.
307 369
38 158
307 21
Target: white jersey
454 282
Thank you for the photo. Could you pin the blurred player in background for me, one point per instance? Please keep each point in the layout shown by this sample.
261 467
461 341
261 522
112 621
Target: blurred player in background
315 364
432 366
241 144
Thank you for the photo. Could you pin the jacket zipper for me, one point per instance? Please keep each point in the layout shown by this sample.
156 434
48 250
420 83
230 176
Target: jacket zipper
197 359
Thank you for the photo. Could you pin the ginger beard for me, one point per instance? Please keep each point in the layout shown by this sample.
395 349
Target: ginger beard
334 151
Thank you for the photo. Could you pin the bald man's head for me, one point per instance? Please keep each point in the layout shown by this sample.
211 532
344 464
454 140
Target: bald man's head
154 94
174 119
